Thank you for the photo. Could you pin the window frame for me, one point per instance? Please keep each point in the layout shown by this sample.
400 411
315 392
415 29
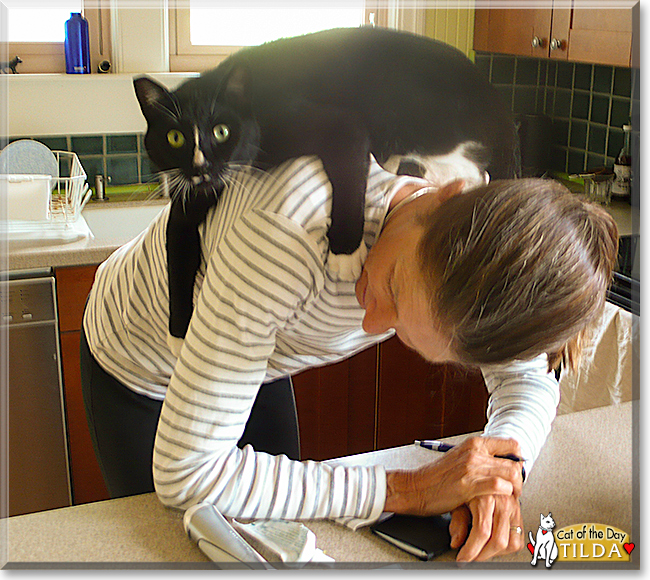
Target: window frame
186 57
49 57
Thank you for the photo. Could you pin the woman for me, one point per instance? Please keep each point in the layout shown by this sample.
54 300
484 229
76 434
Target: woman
501 277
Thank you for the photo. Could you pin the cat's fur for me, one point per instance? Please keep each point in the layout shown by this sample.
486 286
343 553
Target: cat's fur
544 544
339 94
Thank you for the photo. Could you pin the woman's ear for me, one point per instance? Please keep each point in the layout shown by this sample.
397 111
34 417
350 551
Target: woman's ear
451 189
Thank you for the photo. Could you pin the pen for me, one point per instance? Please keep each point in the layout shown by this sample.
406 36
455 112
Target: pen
444 447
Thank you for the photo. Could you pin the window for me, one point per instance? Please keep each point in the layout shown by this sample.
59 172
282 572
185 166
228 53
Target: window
43 24
202 35
36 33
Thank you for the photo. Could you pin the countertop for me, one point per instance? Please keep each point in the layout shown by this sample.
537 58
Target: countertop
90 250
96 250
587 472
626 217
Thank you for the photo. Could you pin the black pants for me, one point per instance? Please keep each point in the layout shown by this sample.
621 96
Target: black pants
123 426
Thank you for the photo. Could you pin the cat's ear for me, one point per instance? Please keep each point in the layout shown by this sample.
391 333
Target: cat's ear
154 99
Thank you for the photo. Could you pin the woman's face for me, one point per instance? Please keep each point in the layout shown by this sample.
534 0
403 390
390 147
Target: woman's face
391 290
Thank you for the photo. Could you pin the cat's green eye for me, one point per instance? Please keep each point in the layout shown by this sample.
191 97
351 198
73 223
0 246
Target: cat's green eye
221 133
175 138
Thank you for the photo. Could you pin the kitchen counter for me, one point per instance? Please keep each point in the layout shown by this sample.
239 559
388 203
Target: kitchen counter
587 472
627 218
89 250
94 250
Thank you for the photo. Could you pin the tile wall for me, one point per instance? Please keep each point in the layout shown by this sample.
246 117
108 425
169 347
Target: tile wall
588 104
122 157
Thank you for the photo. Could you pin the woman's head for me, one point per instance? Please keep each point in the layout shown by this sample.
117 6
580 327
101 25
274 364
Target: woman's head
517 268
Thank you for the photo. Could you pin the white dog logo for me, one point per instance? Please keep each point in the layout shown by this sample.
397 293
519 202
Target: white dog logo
543 546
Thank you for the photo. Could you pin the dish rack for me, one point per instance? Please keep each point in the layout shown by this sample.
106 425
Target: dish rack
69 195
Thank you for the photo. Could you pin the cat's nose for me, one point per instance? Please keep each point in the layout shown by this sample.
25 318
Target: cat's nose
199 159
199 179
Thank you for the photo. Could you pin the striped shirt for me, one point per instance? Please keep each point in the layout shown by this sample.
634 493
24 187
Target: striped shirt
268 302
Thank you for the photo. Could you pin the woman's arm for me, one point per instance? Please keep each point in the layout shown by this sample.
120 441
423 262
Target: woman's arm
258 278
523 403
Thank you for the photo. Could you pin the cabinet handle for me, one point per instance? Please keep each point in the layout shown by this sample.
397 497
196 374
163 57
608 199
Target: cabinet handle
557 44
537 42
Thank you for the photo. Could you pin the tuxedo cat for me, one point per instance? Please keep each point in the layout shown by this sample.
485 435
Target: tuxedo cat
340 94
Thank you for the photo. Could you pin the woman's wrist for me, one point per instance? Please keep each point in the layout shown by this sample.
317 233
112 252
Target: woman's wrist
396 484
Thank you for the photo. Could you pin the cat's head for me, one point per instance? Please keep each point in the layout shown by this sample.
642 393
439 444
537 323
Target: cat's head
200 128
547 522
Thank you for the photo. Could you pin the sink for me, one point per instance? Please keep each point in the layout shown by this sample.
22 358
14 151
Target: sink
122 221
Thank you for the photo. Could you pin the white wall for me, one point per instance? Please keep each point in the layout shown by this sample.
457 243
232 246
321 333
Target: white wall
59 104
45 105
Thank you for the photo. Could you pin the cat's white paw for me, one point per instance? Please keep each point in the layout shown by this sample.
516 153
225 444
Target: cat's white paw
174 343
347 267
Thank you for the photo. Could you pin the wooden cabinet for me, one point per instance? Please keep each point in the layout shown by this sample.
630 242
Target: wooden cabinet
73 285
383 397
336 407
602 36
419 400
511 31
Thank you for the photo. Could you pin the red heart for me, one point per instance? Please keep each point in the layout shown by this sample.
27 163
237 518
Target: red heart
532 548
629 547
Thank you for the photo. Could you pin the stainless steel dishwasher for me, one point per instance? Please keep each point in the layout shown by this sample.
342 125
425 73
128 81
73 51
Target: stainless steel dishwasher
39 471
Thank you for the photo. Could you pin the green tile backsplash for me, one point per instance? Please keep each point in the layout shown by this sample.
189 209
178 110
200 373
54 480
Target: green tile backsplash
587 103
121 157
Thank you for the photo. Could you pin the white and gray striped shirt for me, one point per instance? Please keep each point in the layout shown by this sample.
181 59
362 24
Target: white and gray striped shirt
267 303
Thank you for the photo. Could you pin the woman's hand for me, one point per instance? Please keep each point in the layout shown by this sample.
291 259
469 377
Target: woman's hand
464 473
497 528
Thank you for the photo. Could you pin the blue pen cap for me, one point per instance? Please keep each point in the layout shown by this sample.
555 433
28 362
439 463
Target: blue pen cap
77 45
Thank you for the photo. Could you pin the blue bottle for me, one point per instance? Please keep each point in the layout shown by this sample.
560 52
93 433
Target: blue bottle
77 45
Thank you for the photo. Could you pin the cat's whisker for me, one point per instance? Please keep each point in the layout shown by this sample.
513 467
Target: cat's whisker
255 173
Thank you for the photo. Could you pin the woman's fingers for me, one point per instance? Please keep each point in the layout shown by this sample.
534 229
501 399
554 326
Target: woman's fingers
496 445
484 451
496 528
461 518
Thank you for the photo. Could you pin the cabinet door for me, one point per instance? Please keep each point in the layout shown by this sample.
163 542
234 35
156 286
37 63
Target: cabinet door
87 481
336 407
601 35
513 31
419 400
560 30
73 285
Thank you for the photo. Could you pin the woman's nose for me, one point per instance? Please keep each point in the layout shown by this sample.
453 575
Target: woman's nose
380 317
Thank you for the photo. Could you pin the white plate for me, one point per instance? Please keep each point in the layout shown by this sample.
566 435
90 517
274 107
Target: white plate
27 156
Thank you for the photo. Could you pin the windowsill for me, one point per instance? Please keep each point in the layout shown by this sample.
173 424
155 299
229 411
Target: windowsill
96 76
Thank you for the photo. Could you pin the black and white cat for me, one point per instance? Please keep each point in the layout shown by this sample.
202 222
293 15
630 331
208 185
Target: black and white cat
339 94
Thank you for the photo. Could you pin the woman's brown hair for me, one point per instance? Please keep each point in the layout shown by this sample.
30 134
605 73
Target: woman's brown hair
518 268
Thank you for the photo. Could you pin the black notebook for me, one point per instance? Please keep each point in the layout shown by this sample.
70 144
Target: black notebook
424 537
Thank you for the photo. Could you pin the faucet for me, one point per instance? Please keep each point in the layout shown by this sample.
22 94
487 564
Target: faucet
100 194
164 185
